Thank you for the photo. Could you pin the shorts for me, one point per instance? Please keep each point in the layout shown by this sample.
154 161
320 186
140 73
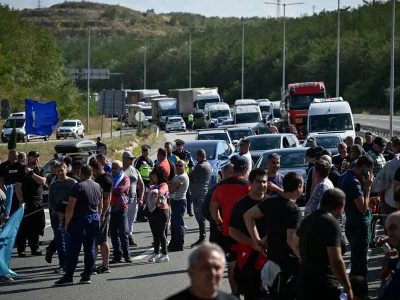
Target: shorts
228 242
103 231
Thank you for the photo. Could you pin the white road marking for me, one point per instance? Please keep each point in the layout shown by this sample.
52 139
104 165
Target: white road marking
143 254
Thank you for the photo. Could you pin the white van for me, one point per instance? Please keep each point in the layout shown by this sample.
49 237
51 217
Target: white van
245 102
265 107
247 115
19 120
216 113
331 116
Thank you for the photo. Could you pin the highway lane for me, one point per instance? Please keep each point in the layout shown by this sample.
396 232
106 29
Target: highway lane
139 280
377 121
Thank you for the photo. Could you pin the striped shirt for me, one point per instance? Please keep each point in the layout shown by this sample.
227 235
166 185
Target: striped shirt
379 161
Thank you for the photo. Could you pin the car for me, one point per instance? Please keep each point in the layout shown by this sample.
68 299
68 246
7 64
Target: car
292 160
175 124
263 142
70 128
237 133
327 141
217 152
216 134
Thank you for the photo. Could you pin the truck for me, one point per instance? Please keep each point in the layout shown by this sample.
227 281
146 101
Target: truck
331 115
265 107
162 108
136 96
245 102
247 115
133 109
215 114
295 104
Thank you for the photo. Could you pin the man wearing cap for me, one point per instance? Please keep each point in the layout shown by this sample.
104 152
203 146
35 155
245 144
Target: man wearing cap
136 184
30 181
199 182
187 157
244 152
367 146
272 128
313 152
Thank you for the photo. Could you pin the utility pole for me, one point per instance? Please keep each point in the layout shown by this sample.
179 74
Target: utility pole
242 58
88 83
278 8
338 52
392 68
145 64
190 59
313 9
38 4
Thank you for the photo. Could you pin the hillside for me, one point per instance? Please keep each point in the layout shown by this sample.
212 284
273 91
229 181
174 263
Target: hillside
71 19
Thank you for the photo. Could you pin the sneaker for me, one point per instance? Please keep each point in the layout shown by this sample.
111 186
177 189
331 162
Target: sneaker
128 260
85 280
115 261
132 242
22 254
162 258
37 253
191 214
199 242
49 255
175 249
63 282
59 270
6 279
154 257
101 270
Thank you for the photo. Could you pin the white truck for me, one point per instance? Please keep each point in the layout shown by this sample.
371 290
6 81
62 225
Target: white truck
133 109
245 102
265 107
215 114
136 96
247 115
331 115
162 108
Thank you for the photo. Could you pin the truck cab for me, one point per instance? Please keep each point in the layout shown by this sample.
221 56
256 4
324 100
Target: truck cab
133 109
215 114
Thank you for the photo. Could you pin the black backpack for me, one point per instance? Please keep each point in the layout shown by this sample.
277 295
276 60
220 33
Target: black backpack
172 168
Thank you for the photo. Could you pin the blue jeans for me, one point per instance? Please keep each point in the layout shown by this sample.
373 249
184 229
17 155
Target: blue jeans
119 234
82 230
178 208
61 239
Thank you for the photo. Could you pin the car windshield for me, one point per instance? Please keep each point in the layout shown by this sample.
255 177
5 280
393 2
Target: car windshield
277 113
214 137
303 101
219 113
326 142
82 158
265 109
174 120
247 118
169 112
289 160
147 112
202 103
68 124
328 123
239 134
265 143
208 148
19 123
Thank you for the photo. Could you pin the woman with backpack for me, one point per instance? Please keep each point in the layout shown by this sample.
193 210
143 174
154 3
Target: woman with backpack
158 213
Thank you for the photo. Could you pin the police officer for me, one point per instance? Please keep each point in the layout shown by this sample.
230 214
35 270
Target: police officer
187 157
190 121
144 165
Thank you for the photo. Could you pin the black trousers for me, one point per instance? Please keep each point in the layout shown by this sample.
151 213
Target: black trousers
158 223
27 232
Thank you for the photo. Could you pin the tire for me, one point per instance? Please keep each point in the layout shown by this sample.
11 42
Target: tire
83 135
75 136
166 131
46 138
58 137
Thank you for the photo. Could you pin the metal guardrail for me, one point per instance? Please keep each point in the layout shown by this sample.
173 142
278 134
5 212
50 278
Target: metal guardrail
385 133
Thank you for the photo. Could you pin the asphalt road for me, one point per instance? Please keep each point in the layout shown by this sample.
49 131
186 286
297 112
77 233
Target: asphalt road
139 280
377 121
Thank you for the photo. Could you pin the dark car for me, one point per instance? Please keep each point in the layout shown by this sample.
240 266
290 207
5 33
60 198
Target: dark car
238 133
327 141
217 153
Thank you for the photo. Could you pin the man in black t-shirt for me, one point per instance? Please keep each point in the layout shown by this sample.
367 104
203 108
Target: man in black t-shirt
282 216
246 274
313 152
30 181
206 270
342 155
105 181
318 244
75 171
101 146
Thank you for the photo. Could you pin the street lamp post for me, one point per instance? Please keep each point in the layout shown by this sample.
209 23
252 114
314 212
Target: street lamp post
392 68
88 83
242 58
338 52
284 39
190 59
145 64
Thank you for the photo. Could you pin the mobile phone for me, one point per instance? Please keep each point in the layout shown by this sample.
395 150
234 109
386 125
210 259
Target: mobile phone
366 173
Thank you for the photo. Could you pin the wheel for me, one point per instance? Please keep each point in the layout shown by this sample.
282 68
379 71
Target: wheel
75 136
83 134
166 131
58 137
46 138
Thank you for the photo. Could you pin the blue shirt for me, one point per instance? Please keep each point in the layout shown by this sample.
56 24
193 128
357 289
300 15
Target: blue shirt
107 168
277 180
353 188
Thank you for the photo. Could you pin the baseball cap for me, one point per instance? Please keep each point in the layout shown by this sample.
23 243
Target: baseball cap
128 154
380 141
146 147
240 165
179 142
34 153
311 139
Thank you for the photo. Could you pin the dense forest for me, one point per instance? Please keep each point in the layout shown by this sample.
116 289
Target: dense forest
33 60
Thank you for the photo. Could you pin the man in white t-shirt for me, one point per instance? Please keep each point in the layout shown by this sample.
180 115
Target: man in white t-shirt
244 151
178 188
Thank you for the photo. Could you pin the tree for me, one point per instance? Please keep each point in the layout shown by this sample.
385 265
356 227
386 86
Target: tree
12 142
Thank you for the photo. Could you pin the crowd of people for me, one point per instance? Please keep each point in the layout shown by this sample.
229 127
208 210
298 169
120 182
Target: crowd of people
256 225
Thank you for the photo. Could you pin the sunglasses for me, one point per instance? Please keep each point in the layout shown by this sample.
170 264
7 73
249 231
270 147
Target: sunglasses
180 166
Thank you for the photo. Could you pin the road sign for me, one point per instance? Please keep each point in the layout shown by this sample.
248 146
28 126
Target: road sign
5 113
111 102
5 104
139 116
82 74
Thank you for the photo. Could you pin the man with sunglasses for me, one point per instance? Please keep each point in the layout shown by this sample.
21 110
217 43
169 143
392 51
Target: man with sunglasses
178 187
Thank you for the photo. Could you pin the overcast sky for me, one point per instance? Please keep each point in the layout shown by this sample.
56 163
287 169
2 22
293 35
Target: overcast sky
222 8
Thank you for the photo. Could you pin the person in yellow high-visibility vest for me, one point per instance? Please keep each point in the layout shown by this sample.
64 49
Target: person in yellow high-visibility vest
190 121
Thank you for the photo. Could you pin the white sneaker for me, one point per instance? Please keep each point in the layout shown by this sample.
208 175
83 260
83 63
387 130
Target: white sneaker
162 258
154 257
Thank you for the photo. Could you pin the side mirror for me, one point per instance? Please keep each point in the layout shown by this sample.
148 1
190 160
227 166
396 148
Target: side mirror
235 142
358 127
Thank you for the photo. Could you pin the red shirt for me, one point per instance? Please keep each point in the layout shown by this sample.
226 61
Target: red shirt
164 164
227 193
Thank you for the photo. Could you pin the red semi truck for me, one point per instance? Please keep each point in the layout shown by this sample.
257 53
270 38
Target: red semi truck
295 104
